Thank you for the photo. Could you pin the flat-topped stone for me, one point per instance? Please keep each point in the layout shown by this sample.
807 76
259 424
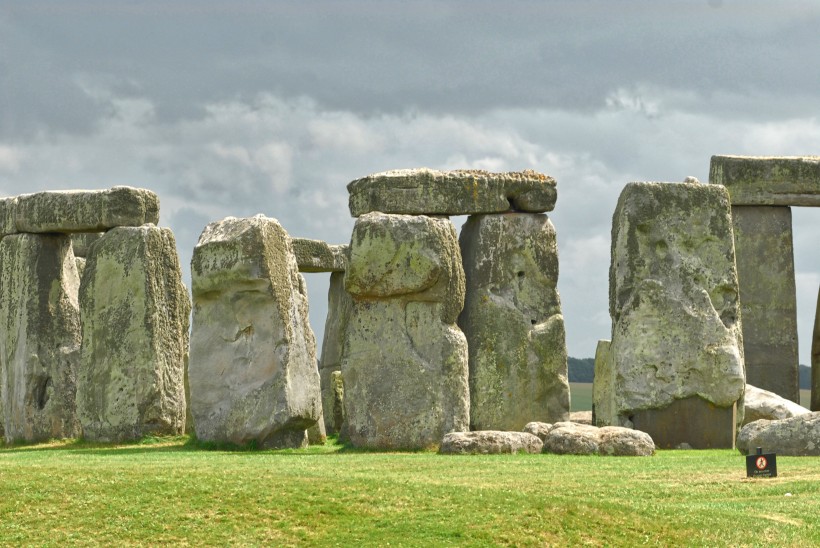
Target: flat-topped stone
319 256
85 210
8 206
461 192
768 180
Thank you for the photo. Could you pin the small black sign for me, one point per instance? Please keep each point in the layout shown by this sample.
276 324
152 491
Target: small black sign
761 465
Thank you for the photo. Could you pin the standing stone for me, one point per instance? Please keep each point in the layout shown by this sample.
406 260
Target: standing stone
405 361
338 404
40 338
765 270
512 321
85 210
8 213
339 305
676 351
603 385
253 375
815 360
461 192
81 242
135 312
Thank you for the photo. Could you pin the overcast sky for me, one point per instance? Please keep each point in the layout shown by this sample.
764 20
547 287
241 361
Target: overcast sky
238 108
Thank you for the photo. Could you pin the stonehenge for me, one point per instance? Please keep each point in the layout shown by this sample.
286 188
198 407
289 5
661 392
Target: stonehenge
434 338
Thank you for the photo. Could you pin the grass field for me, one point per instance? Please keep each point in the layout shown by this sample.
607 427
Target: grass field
170 491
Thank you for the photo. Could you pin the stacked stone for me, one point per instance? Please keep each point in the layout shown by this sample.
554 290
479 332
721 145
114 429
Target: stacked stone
762 191
408 376
674 367
253 375
97 365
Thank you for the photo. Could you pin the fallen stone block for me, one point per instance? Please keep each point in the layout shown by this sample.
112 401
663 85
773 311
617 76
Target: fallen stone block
462 192
762 404
252 373
569 438
135 313
85 210
489 442
540 429
794 437
319 256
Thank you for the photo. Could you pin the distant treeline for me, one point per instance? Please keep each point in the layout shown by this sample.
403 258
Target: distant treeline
583 370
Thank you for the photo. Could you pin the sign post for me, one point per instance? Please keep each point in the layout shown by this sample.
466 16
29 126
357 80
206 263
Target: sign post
761 465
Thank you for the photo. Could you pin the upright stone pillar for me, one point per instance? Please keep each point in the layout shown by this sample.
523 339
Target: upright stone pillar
512 321
405 361
676 353
815 360
253 375
765 270
339 305
135 312
40 337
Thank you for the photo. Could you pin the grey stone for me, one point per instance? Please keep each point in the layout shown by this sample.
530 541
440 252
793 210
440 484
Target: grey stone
693 420
769 181
40 338
339 305
603 385
570 438
795 437
317 435
81 242
674 305
762 404
765 270
462 192
338 403
624 442
135 313
490 442
8 210
319 256
80 262
581 417
815 360
252 374
405 361
540 429
86 210
513 323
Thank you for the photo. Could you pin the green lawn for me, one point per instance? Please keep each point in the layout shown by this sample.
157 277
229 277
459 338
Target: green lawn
172 492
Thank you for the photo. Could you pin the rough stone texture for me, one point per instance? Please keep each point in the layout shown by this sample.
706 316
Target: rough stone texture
581 417
81 242
773 181
463 192
317 435
815 360
569 438
252 374
86 210
540 429
765 270
39 338
490 442
135 313
319 256
795 437
8 207
338 403
674 305
513 323
603 385
405 361
80 262
762 404
339 305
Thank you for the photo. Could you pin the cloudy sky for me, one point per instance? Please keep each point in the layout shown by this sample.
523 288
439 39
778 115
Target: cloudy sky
244 107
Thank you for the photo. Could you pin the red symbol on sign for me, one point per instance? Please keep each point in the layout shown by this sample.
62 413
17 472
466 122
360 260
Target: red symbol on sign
761 463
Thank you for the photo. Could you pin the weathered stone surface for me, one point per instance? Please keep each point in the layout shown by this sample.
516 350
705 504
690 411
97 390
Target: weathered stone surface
674 304
8 208
513 323
463 192
317 435
40 338
338 403
489 442
765 270
86 210
796 437
339 305
135 313
570 438
603 385
768 181
540 429
762 404
815 360
319 256
581 417
405 361
252 374
81 242
80 262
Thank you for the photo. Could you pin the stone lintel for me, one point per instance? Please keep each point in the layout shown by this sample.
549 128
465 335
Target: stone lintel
768 180
319 256
693 420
